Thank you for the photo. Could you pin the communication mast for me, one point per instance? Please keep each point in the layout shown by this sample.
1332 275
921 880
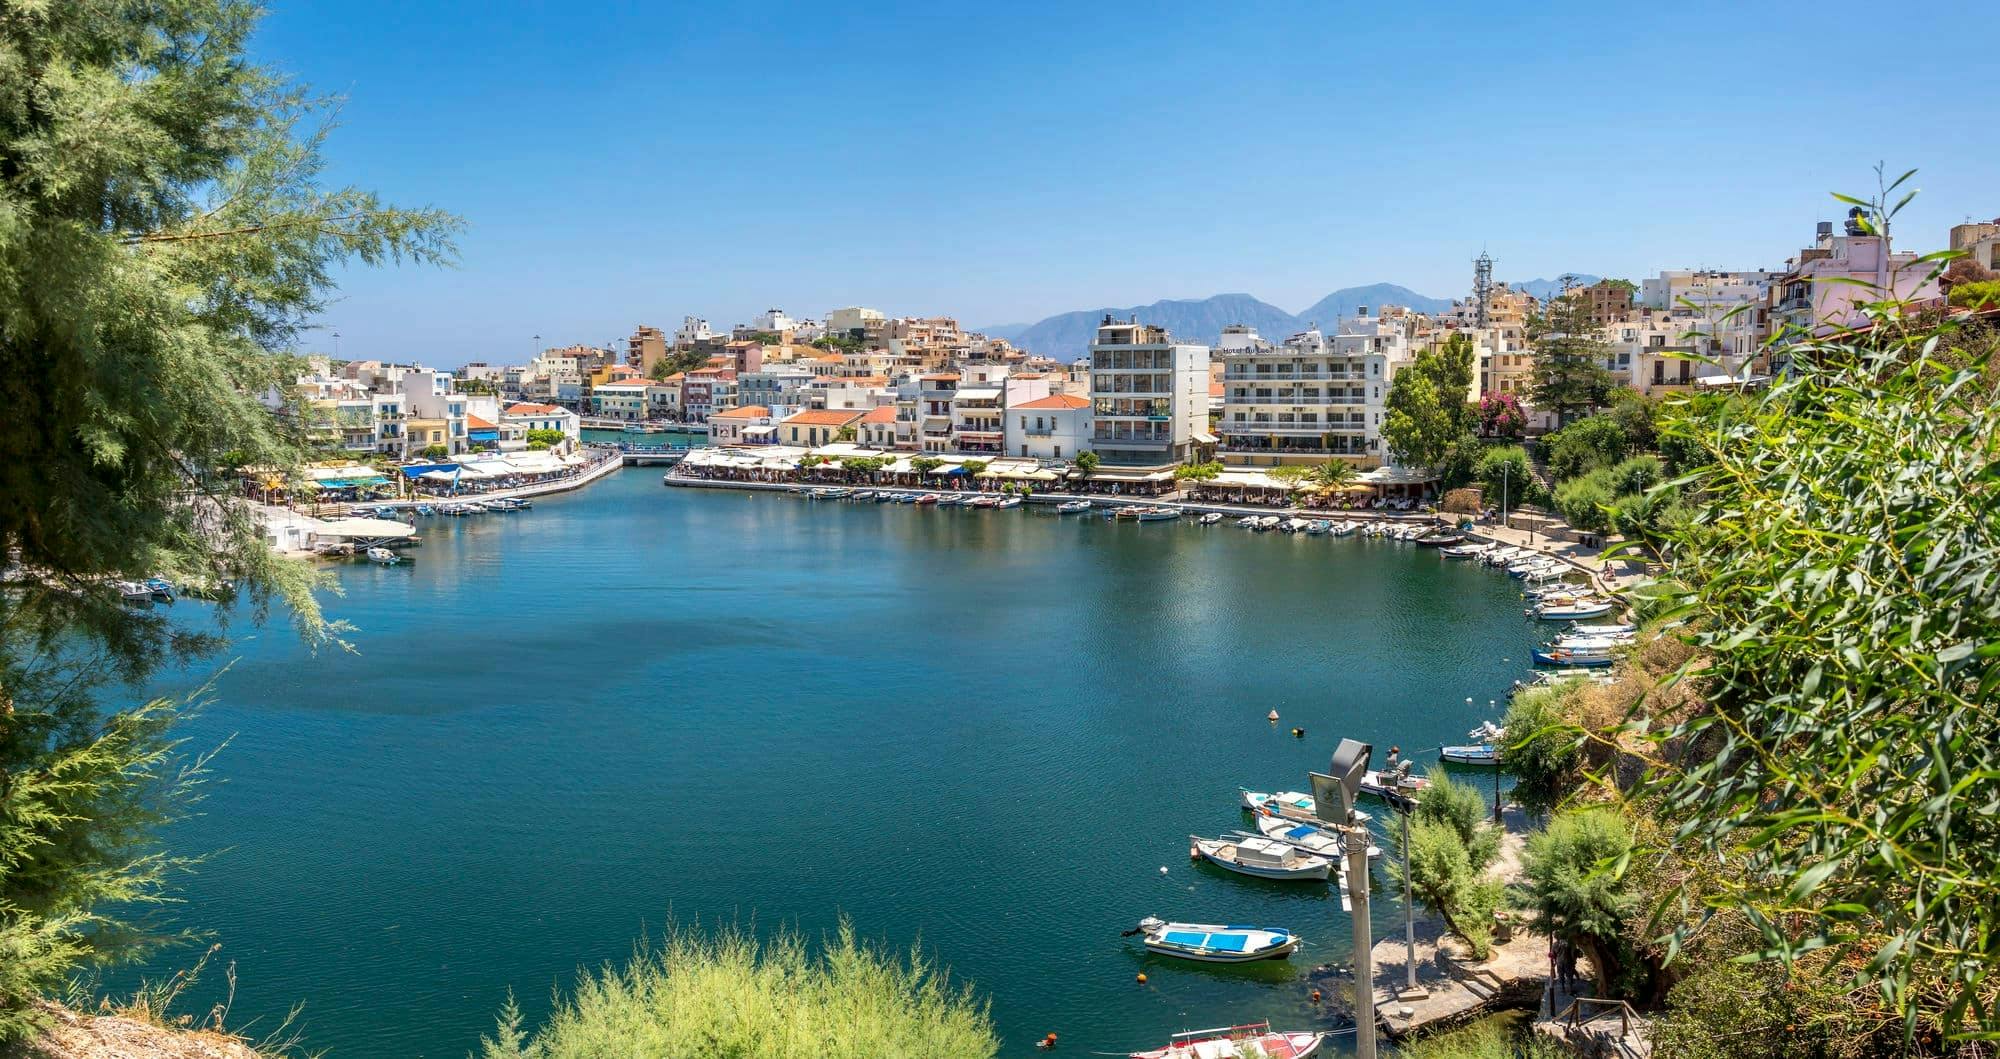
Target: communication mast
1482 284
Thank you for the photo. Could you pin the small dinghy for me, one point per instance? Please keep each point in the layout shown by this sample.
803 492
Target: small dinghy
1560 656
1473 754
1256 1040
1582 608
383 557
1260 857
1211 518
1215 943
1074 507
1315 839
1247 522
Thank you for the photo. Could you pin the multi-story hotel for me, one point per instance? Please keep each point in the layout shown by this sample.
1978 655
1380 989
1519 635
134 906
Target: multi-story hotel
1149 396
1310 398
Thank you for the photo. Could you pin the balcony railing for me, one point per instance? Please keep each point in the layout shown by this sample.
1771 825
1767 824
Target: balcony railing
1341 399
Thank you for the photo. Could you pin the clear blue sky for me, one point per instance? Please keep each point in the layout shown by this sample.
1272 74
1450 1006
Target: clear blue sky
624 163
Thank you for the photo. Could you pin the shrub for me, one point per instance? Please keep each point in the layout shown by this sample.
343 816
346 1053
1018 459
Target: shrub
1442 875
1506 474
1983 294
1586 445
1637 475
730 994
1575 872
1584 502
1542 751
1461 502
1462 808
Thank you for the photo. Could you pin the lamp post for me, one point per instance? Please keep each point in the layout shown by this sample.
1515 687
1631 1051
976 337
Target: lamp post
1491 706
1335 794
1411 990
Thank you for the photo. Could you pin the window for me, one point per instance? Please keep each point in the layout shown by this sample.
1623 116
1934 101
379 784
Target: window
1024 451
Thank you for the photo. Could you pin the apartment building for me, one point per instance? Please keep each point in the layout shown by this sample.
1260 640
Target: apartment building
1980 242
646 349
1312 397
1149 396
782 390
1825 286
1055 427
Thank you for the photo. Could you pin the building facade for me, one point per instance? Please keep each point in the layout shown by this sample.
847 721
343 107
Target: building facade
1149 396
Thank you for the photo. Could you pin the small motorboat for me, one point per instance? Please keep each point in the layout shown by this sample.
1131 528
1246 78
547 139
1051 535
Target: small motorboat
1268 522
383 557
133 593
1318 526
1473 754
1210 519
425 509
1215 943
1558 656
1582 608
985 501
1464 551
865 494
1440 540
1393 784
1260 857
161 588
1008 501
1255 1039
1074 507
1606 629
1345 528
1315 839
928 499
1159 514
1247 522
1288 804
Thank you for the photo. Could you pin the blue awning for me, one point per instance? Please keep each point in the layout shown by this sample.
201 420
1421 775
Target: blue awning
416 469
483 435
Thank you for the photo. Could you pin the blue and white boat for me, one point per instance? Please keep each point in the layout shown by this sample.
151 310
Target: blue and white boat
1316 839
1559 656
1216 943
1471 754
1260 857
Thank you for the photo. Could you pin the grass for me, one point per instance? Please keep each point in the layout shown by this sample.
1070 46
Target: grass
1503 1036
729 993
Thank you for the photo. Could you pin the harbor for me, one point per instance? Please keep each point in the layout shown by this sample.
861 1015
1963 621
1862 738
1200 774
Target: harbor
1021 647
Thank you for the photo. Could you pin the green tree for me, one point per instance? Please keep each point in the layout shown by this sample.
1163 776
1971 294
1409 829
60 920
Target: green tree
1427 415
1577 886
548 436
730 994
1445 880
1585 502
973 467
1334 474
925 464
1569 359
1586 445
1543 750
846 433
434 452
1505 475
1198 472
165 239
1086 462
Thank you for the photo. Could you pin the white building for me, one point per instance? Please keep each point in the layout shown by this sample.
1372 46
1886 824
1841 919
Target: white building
526 417
1149 395
693 329
1312 397
773 320
1056 427
851 319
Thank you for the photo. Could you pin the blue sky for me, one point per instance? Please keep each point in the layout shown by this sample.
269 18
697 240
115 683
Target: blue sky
620 164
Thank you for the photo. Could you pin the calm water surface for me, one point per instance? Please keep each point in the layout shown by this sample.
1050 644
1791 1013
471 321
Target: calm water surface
985 730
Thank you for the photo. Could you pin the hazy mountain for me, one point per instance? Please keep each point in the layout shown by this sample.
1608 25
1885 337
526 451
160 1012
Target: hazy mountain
1542 288
1069 334
1341 303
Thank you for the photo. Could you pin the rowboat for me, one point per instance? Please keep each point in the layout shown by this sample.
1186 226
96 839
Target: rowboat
1260 858
1074 507
1313 838
1239 1042
1216 943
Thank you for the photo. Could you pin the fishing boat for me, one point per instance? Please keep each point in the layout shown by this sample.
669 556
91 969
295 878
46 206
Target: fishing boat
1074 507
1159 514
928 499
1345 528
383 557
1440 540
985 501
1318 526
1215 943
1210 519
1472 754
1582 608
1559 656
1289 804
1260 857
1315 839
1605 629
1254 1040
1395 784
162 589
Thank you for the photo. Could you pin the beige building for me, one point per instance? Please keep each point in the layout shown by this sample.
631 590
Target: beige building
1980 242
645 349
816 426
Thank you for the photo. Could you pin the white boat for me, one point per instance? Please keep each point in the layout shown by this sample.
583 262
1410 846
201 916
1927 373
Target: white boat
1211 518
1074 507
1247 522
1393 784
134 593
1268 522
1215 942
1345 529
1253 1041
1260 857
1474 754
1583 608
1318 526
1012 501
383 556
1605 629
1589 643
1159 514
1315 839
1289 804
1464 551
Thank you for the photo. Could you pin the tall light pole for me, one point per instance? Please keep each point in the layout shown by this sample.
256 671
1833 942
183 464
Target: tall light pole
1411 990
1334 796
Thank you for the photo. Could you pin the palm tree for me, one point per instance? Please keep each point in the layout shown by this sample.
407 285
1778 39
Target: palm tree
1335 474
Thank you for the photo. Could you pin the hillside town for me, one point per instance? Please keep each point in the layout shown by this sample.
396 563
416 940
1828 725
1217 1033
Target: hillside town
1143 401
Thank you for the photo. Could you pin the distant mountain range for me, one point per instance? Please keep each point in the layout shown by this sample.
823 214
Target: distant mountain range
1542 288
1202 320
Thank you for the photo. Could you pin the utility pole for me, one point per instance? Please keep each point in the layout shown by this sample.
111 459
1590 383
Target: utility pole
1491 705
1411 990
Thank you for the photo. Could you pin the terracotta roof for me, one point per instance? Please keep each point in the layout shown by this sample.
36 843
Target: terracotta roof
880 414
473 422
531 410
748 411
621 383
679 376
1057 400
823 417
1215 389
857 380
940 376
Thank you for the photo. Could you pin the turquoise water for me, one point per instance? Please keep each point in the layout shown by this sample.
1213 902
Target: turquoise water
987 730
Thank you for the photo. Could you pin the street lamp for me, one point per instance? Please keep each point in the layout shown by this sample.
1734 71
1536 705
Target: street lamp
1336 791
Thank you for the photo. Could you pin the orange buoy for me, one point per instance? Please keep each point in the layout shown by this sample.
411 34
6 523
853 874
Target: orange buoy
1315 996
1142 978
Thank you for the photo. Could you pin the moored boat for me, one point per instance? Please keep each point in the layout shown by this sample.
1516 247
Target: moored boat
1260 857
383 557
1247 522
1316 839
1561 656
1159 514
1440 540
1393 784
1074 507
1291 805
1472 754
1582 608
1211 518
1255 1039
1214 942
1009 501
1268 522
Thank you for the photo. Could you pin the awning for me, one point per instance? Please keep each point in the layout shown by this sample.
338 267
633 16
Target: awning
366 528
759 432
1204 437
439 476
483 435
979 393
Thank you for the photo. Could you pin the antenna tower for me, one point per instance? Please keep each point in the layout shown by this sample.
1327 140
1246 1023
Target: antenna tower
1482 284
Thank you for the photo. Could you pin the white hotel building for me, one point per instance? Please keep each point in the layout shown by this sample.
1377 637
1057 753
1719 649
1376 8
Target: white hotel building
1149 396
1310 398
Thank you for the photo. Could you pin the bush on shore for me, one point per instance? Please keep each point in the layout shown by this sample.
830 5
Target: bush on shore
729 994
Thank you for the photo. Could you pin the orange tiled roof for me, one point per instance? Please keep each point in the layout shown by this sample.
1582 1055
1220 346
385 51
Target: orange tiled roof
880 414
748 411
1057 400
473 422
531 410
823 417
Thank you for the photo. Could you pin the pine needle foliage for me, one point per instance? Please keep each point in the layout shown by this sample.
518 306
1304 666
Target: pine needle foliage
727 993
